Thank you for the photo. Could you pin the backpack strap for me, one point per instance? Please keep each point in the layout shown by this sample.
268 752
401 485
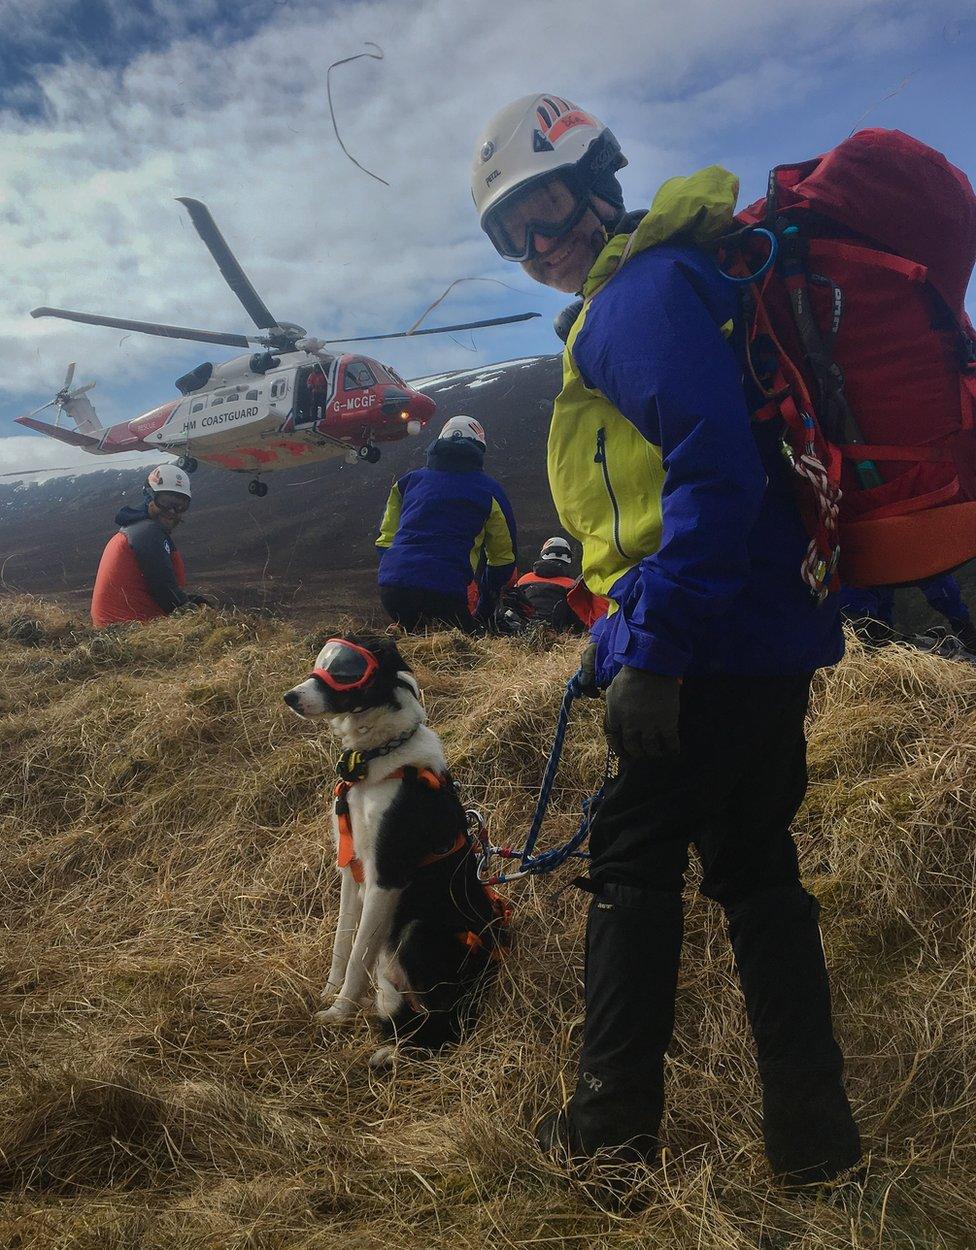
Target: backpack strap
836 416
813 458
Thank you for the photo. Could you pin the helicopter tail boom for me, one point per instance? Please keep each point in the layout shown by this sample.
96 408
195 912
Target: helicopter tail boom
74 438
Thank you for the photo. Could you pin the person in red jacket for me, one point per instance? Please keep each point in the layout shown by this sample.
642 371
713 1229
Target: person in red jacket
141 574
542 595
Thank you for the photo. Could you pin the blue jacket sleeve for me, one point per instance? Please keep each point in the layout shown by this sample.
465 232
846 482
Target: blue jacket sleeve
654 347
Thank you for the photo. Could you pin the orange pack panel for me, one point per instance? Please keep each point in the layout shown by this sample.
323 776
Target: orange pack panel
900 549
120 592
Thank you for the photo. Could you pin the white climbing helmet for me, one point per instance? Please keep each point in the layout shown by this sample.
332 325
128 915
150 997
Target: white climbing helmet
168 478
465 427
556 549
536 139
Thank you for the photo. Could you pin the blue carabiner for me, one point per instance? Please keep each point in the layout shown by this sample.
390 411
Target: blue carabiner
762 270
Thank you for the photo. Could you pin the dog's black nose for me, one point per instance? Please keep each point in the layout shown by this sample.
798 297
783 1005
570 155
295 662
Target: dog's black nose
294 700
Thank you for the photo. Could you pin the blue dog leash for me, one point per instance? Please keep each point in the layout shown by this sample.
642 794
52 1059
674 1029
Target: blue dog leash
529 863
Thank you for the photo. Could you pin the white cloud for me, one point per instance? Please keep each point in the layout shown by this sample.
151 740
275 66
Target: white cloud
87 212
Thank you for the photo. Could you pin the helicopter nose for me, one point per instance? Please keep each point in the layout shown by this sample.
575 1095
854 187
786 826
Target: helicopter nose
422 408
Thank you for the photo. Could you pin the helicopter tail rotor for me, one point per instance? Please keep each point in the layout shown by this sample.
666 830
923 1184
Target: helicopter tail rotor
73 402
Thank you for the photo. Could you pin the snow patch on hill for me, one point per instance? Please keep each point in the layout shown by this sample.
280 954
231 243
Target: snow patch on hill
481 376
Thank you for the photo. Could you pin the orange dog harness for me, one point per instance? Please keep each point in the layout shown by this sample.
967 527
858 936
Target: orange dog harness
346 856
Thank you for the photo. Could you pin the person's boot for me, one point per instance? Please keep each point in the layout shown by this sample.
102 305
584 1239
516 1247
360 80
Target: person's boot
633 947
965 631
808 1128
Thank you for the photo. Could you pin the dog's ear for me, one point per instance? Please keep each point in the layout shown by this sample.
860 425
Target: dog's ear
407 679
391 652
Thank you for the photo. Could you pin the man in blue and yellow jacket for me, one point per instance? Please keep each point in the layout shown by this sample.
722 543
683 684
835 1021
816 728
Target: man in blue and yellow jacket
689 527
445 526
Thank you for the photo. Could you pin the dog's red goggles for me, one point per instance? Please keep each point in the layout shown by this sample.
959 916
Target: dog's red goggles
344 665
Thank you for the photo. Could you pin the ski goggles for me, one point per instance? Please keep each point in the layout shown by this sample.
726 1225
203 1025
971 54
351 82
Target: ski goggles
549 206
174 507
556 551
345 666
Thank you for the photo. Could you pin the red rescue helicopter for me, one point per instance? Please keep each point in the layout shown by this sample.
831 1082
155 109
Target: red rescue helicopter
291 402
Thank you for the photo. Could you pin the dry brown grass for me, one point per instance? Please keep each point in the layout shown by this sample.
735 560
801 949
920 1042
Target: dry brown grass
168 896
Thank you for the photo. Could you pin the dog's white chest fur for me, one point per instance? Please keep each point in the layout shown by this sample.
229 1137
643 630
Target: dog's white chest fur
368 803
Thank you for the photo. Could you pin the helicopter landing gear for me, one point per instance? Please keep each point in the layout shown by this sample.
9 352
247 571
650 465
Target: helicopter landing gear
188 464
370 453
257 488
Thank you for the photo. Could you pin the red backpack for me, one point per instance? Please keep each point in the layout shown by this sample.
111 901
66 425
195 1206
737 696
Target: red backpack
859 340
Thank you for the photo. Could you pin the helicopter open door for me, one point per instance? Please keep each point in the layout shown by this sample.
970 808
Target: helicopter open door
315 387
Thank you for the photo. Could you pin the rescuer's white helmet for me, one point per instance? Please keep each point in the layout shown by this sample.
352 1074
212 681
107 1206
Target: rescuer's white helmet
168 478
533 140
556 549
465 427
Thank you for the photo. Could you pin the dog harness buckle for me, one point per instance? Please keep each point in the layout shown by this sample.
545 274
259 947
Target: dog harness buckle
352 766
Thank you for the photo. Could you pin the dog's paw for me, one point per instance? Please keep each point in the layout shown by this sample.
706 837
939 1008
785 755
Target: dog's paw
341 1012
389 1000
383 1058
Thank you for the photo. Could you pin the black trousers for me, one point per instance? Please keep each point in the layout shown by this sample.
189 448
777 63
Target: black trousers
732 793
417 609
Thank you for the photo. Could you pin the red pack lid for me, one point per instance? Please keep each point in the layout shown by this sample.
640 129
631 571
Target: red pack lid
897 192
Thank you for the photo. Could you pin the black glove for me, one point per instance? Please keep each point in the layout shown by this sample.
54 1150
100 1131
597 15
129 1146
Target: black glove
642 714
587 673
202 601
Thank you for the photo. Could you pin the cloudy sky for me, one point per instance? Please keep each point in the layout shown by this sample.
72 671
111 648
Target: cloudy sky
111 108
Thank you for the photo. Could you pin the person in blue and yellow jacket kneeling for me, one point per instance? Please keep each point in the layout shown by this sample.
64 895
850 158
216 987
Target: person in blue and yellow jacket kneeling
688 523
444 526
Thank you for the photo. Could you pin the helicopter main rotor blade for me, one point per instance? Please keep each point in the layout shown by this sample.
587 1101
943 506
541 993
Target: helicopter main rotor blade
467 325
148 327
69 376
228 264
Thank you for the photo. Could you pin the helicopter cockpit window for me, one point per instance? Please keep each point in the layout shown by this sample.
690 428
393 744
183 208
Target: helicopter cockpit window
253 394
358 376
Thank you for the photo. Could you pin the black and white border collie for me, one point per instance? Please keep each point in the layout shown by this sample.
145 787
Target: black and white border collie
420 929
